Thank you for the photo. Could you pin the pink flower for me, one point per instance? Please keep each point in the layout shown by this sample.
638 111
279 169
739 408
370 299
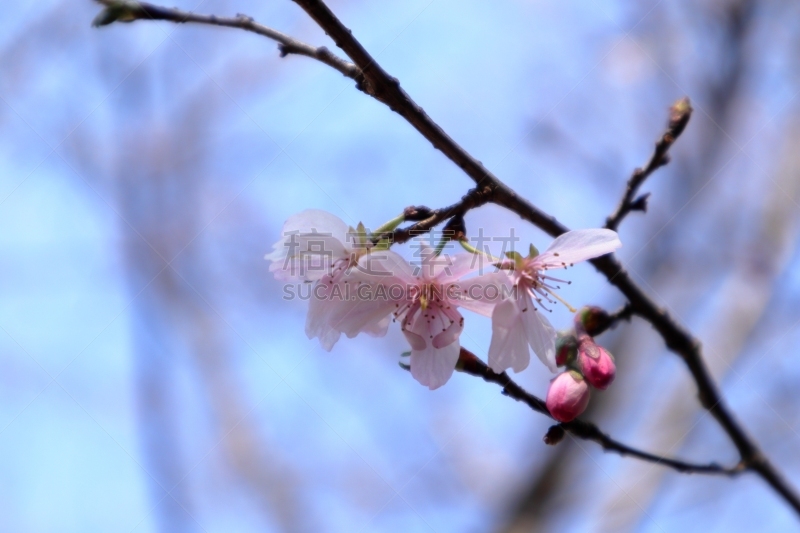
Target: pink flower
595 363
427 306
517 322
319 247
567 396
315 243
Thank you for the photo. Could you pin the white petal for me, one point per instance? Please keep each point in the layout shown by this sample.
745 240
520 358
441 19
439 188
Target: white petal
312 241
379 329
540 334
481 294
433 367
386 267
338 307
416 341
580 245
429 323
453 267
367 315
447 326
509 346
318 322
319 221
311 257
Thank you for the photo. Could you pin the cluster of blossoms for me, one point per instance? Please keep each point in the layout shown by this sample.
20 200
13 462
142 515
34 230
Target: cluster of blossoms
587 364
360 285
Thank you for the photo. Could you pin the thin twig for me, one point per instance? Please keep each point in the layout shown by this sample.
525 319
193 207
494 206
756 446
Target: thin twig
679 115
129 11
470 364
474 198
373 80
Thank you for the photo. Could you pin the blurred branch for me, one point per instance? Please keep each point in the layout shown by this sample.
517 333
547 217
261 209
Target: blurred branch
470 364
376 82
128 11
679 115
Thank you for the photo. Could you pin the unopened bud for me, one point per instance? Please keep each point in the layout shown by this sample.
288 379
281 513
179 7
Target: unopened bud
593 320
679 115
566 348
596 364
567 396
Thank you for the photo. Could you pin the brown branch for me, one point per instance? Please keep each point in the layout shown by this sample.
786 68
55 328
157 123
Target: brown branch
470 364
373 80
427 219
679 115
128 11
387 89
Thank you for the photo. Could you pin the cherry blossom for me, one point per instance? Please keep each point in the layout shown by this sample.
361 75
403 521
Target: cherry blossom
517 322
320 248
315 243
425 300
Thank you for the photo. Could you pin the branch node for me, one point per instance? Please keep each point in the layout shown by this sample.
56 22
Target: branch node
640 204
554 435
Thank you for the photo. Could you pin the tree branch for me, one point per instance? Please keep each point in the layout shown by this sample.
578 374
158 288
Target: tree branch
679 115
373 80
429 219
129 11
470 364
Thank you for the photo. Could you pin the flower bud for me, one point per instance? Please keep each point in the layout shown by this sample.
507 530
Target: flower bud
566 348
567 396
593 320
596 364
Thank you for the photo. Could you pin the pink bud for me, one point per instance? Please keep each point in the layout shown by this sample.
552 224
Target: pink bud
596 364
566 348
567 396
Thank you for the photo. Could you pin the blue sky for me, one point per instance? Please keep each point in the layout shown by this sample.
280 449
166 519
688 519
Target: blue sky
197 143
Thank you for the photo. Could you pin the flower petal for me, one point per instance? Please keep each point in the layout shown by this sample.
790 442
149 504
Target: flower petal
385 267
433 367
415 339
353 317
509 346
445 268
481 294
452 324
579 245
320 312
319 221
429 323
380 328
540 334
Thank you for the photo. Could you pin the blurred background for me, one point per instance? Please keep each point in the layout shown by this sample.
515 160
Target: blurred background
152 379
